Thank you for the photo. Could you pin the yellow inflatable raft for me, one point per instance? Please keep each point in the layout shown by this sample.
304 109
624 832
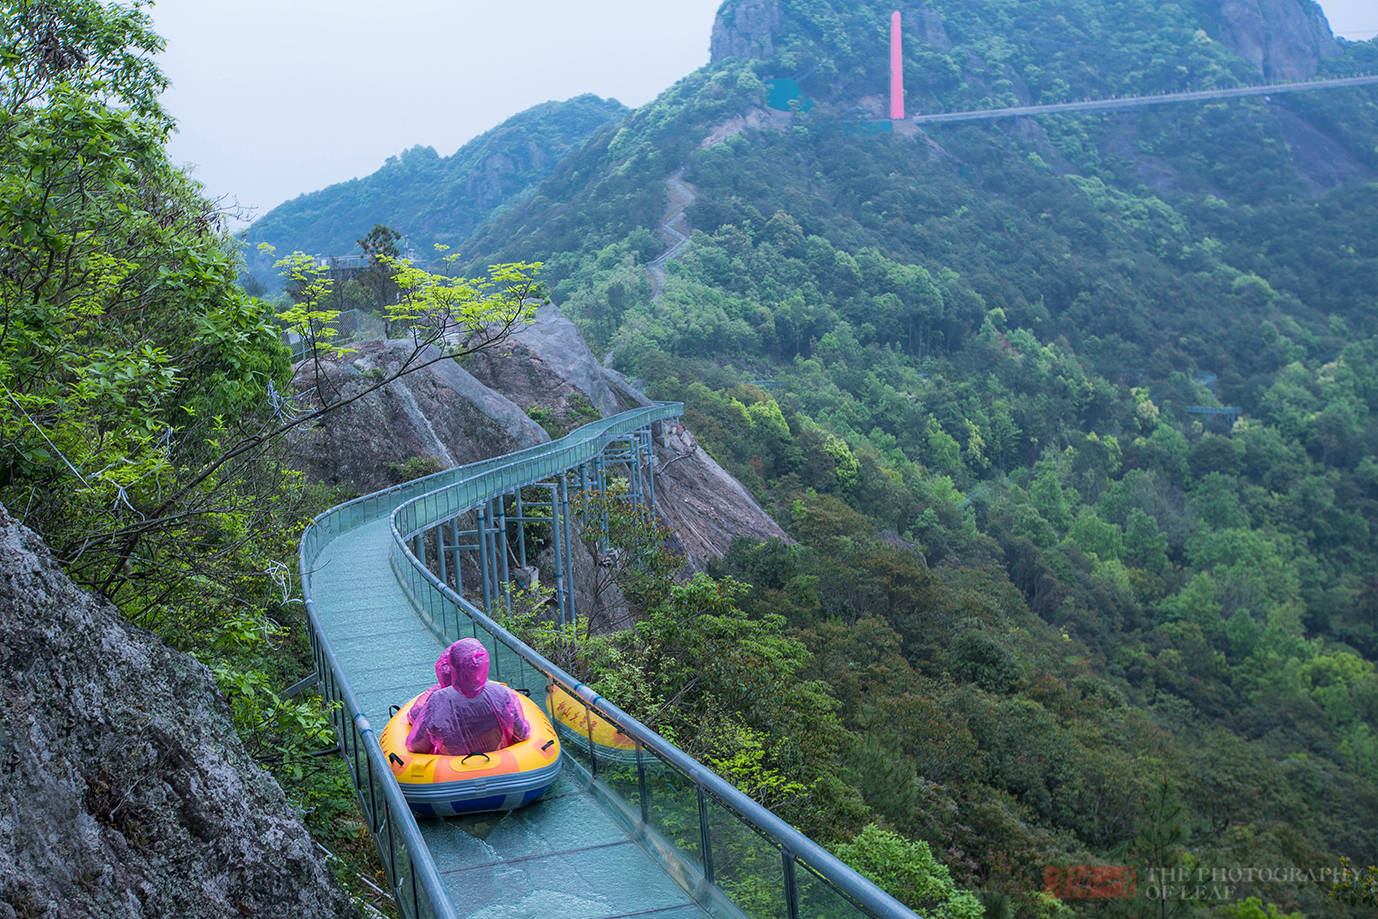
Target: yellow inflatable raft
436 785
575 721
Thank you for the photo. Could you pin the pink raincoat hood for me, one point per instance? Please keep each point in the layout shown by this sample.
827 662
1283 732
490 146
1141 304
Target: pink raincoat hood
469 666
444 673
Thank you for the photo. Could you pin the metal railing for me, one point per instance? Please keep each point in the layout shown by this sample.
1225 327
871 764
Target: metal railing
411 869
716 841
416 883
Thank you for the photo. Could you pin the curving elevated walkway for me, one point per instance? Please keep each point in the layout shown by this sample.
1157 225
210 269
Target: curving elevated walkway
645 831
562 856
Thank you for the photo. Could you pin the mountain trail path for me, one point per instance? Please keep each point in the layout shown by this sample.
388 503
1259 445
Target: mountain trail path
673 226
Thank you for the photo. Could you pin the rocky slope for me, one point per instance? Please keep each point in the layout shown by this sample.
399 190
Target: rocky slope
1284 39
124 790
446 415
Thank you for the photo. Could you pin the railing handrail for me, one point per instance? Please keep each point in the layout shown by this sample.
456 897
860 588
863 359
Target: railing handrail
426 874
789 840
578 446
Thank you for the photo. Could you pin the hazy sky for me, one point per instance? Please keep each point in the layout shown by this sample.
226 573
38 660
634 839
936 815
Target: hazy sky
278 97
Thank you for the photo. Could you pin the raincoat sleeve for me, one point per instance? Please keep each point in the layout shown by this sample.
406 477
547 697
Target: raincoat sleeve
419 738
444 676
518 728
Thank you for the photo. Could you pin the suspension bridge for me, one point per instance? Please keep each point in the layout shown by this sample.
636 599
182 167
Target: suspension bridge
391 578
1125 102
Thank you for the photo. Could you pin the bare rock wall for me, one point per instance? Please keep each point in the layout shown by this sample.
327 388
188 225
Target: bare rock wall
124 790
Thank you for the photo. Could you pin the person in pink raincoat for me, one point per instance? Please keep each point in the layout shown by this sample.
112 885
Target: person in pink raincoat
444 676
470 715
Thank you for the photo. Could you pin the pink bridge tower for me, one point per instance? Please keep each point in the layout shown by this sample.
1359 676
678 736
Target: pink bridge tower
896 68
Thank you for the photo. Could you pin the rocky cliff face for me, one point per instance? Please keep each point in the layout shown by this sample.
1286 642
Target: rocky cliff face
446 415
440 414
745 29
705 505
1284 39
124 790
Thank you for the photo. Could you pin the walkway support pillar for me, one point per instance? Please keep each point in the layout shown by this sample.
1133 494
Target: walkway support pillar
500 536
484 579
444 573
458 565
569 549
651 468
555 542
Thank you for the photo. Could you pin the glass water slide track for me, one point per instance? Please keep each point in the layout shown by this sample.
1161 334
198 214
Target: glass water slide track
653 834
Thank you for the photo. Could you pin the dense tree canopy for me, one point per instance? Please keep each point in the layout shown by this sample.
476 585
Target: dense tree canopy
1074 618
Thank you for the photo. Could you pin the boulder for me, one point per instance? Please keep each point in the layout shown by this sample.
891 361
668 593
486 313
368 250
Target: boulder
124 789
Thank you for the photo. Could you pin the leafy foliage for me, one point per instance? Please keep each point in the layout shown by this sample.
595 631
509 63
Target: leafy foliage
909 869
965 369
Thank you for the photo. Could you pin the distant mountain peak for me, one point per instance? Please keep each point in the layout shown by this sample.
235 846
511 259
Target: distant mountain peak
1284 39
745 28
430 198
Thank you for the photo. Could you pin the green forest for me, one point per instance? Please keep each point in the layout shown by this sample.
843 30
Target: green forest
1057 611
1069 420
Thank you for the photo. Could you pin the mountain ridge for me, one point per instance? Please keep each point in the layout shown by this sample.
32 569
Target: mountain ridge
429 198
970 369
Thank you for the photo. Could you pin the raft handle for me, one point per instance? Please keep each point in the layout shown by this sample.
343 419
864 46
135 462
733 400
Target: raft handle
397 760
466 758
393 709
545 746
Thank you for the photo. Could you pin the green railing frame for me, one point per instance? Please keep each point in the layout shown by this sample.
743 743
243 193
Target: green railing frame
411 869
803 865
812 881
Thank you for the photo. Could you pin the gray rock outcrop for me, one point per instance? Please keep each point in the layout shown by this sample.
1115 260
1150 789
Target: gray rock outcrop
446 415
1284 39
745 29
554 364
124 790
702 502
439 413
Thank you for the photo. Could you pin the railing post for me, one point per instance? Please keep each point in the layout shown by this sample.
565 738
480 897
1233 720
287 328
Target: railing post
705 839
483 559
641 784
791 891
